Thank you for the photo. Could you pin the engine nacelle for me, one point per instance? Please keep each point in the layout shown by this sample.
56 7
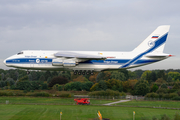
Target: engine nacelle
69 63
57 62
63 62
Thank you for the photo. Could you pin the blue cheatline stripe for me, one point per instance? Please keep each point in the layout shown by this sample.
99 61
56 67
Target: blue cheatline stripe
107 61
94 62
29 61
158 42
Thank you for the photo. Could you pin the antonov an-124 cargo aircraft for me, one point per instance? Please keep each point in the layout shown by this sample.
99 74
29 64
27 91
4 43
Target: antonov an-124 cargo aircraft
85 62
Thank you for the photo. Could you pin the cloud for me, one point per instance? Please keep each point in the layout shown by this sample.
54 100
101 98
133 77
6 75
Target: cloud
108 25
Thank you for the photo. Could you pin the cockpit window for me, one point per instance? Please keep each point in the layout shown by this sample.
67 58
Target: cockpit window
19 53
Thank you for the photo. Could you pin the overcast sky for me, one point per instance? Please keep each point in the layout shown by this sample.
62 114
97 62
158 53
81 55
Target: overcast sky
87 25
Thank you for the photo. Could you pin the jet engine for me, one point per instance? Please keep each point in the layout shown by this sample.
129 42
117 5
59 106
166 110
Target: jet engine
63 62
57 62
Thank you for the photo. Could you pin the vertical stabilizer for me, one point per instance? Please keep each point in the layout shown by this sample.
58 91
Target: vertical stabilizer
155 42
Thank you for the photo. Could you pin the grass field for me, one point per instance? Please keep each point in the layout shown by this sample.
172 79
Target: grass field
25 108
170 104
73 112
38 100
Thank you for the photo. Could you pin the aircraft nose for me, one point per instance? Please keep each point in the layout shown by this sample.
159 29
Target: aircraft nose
4 61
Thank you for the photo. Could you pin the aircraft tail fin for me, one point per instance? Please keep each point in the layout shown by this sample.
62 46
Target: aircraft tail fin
155 42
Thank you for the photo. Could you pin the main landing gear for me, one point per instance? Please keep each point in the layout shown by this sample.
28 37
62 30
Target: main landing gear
83 72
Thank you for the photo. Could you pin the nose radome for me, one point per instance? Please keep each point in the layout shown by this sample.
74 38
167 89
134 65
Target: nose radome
4 61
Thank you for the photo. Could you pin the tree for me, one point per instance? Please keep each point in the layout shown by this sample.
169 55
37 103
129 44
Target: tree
54 73
118 76
2 84
87 85
30 77
138 73
114 84
102 85
142 87
65 75
100 76
42 78
107 75
132 75
76 86
44 86
58 80
7 75
81 78
67 87
154 88
161 91
34 75
161 74
164 86
24 85
36 85
92 78
2 76
125 73
47 75
147 76
24 78
160 81
169 79
95 87
153 76
132 83
174 75
9 82
49 80
176 86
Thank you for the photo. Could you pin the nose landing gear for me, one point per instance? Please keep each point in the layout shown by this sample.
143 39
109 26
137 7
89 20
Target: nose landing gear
28 72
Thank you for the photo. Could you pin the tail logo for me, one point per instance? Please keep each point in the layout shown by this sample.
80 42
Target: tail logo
151 43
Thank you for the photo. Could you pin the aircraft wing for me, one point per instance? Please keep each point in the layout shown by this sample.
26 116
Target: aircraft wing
79 56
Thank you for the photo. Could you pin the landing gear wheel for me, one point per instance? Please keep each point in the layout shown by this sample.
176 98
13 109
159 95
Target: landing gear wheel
28 72
75 73
92 73
79 73
83 73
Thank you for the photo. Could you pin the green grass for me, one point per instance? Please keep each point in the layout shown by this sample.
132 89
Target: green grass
25 108
41 100
74 112
171 104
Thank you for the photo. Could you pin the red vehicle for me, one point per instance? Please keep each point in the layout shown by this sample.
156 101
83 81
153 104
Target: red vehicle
82 101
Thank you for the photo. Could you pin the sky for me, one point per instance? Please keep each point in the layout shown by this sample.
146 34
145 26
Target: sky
87 25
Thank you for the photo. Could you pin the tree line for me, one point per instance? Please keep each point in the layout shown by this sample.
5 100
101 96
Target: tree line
138 82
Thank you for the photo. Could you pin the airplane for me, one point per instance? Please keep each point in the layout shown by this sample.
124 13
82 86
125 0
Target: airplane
86 62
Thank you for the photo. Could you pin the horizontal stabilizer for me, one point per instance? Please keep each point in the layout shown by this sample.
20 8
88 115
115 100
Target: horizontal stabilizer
158 56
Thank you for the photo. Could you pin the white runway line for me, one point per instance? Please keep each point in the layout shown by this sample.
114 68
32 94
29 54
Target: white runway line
117 102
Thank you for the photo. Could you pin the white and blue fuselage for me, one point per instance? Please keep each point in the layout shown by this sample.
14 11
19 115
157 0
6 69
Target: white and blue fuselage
149 51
